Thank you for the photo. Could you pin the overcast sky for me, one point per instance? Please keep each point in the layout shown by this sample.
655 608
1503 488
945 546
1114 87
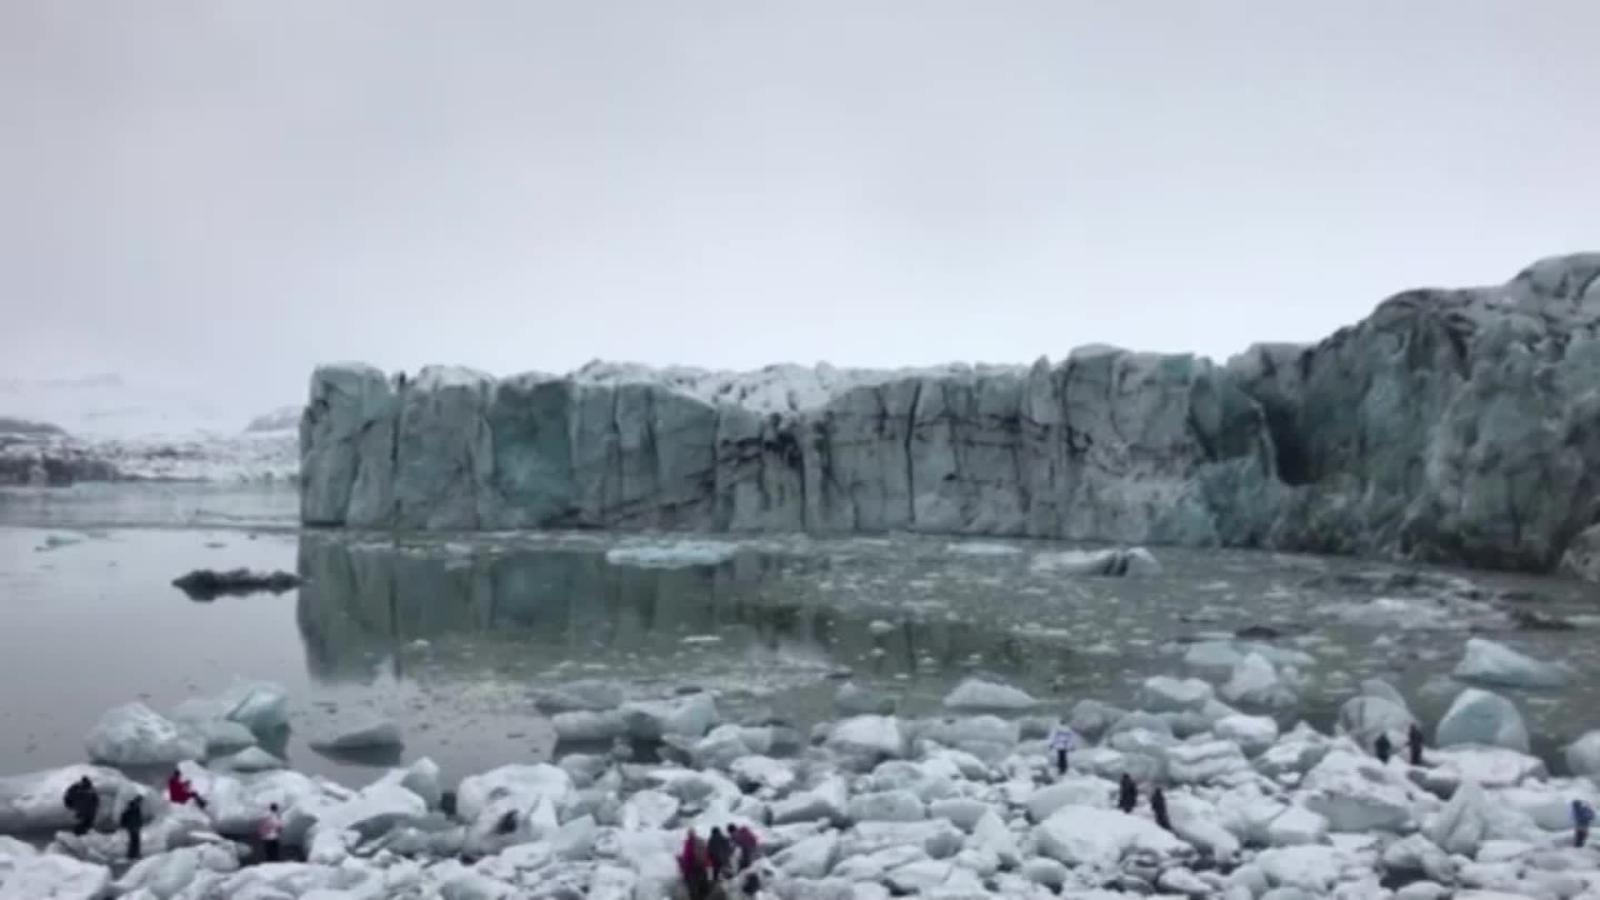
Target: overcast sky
230 192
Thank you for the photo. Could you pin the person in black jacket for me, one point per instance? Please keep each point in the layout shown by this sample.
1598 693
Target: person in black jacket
719 849
1158 805
1383 748
1414 742
132 822
84 802
1127 794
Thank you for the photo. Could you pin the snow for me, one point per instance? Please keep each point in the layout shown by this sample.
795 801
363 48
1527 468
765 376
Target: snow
673 554
1486 662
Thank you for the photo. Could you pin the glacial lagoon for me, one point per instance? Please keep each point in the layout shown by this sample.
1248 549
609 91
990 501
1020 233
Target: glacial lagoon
452 636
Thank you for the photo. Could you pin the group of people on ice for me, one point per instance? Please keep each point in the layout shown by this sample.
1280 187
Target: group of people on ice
82 799
708 865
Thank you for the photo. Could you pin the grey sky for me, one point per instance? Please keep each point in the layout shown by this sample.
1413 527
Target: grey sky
232 191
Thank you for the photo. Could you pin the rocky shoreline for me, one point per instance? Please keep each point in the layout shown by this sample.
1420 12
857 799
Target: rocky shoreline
966 804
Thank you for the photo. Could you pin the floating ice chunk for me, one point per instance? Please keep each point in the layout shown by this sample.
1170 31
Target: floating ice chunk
580 696
250 759
1135 561
1254 734
981 548
1482 717
1166 694
582 726
135 735
651 720
1256 683
374 734
977 695
1366 717
673 555
261 706
868 738
1583 755
1487 662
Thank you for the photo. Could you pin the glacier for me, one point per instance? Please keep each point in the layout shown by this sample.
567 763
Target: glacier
1451 425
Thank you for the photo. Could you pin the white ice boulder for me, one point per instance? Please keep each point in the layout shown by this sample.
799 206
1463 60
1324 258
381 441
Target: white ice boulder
887 806
1205 762
1254 734
868 739
1583 755
825 802
1481 717
763 772
584 726
261 706
420 778
1256 683
589 695
1295 826
1163 693
989 738
32 802
251 759
1355 793
372 734
1200 823
521 786
374 811
977 695
690 717
992 835
854 700
1491 663
1367 716
1215 659
1489 767
1074 791
809 858
168 875
49 876
648 810
135 735
1294 753
1315 869
1099 838
237 804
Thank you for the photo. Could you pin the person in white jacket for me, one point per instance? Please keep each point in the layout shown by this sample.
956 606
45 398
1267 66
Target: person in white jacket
1062 740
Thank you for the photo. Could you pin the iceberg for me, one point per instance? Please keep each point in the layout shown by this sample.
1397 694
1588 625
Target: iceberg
134 735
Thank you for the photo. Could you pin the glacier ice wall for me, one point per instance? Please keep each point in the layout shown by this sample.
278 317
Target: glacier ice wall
1458 425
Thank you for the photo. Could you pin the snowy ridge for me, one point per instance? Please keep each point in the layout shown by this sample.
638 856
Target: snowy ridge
778 388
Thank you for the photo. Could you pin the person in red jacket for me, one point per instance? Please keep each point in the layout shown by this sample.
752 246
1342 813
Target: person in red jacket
179 791
745 839
692 866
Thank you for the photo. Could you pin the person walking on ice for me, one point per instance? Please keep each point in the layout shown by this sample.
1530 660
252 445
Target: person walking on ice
1062 742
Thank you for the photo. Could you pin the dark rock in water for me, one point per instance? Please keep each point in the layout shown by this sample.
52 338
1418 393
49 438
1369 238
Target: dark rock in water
1258 632
206 584
1528 620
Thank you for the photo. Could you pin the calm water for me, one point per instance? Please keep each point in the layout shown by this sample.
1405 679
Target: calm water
451 635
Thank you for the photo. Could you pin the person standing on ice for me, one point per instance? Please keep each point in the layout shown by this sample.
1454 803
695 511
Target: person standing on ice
1582 818
1383 748
84 801
1062 740
132 822
1127 794
1414 742
1158 806
271 833
719 851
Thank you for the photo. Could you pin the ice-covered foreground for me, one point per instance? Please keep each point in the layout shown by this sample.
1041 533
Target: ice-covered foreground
871 806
